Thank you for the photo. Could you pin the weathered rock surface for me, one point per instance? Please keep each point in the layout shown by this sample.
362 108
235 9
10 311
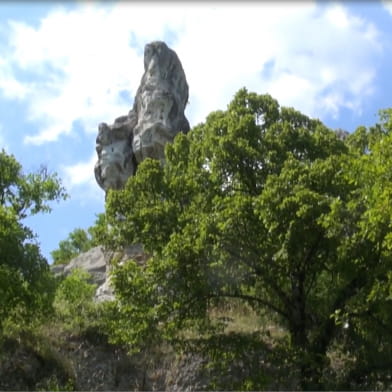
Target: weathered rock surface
92 261
155 119
90 363
114 147
160 102
80 363
96 262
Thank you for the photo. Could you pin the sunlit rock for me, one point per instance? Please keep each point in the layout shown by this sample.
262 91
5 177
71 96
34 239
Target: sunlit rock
160 102
114 148
155 119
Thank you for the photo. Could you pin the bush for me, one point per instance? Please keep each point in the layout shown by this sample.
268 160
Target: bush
74 301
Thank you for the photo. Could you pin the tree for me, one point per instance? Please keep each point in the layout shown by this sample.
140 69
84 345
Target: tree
262 204
25 280
77 242
74 300
369 315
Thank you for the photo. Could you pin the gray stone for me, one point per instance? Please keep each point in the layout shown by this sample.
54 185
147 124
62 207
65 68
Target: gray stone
104 292
135 252
58 269
114 148
155 119
92 261
160 102
97 262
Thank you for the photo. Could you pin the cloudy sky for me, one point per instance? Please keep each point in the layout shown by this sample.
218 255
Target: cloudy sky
66 67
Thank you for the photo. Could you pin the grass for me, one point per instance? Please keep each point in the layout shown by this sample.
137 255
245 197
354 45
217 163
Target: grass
239 317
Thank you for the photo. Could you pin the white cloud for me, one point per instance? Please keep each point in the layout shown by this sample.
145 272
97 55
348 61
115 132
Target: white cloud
9 85
318 60
338 17
388 5
79 180
298 41
78 63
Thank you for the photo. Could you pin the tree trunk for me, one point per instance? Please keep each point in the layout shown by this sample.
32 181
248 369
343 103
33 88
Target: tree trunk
310 357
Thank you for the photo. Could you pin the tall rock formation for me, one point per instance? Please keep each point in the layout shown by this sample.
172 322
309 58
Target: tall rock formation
155 119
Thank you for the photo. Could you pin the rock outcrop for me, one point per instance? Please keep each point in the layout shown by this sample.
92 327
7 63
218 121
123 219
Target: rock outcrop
96 262
155 119
92 261
88 362
116 162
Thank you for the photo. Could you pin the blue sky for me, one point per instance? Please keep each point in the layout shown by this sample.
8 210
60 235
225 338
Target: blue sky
67 66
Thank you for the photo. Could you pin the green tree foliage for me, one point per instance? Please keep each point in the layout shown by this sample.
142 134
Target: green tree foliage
74 300
77 242
25 281
266 205
369 313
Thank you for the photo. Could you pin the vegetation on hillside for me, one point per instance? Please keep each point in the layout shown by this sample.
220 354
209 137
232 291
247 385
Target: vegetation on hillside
270 255
264 205
26 285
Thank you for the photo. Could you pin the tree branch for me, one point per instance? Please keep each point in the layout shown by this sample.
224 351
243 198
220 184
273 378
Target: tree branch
251 298
260 272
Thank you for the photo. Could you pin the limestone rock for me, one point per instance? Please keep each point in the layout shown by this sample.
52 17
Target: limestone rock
92 261
155 119
104 292
114 148
58 269
160 102
97 262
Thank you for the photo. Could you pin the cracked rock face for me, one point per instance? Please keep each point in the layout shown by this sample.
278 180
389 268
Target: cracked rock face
114 148
97 262
155 119
160 102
